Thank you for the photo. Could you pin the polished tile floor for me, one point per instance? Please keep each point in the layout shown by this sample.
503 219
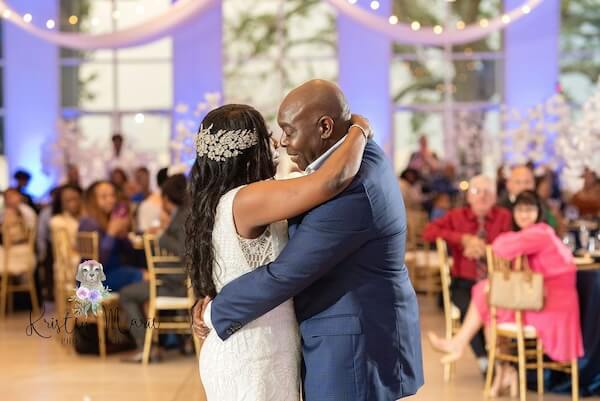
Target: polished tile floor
34 369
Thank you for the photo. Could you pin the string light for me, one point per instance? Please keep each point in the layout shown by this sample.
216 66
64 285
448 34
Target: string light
393 20
6 13
484 22
73 20
139 118
352 1
415 26
375 5
438 29
526 9
464 185
95 21
506 18
27 18
50 24
460 25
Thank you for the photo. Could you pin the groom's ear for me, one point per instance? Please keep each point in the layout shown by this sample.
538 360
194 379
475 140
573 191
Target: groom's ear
326 127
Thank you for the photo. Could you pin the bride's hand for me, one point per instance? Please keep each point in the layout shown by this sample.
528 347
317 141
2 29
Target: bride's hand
363 123
200 328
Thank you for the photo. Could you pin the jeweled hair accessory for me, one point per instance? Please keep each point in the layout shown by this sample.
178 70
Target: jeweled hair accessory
225 143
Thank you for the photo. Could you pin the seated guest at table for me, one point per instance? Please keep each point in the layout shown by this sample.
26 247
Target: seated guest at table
22 178
410 186
111 220
441 205
172 239
66 211
149 212
119 179
467 230
45 257
546 189
13 199
587 200
17 218
141 185
521 179
557 324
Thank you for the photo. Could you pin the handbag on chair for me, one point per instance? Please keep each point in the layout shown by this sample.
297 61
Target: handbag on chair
517 289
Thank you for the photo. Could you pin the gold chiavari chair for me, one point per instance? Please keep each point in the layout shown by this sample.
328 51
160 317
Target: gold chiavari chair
11 247
451 312
160 262
65 267
88 244
506 339
421 260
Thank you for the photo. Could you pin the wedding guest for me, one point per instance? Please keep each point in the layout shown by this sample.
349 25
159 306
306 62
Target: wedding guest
410 186
142 185
521 179
72 176
546 189
441 205
13 199
587 200
172 239
112 222
467 230
424 160
149 211
500 182
67 210
120 156
118 177
45 257
557 324
22 179
17 220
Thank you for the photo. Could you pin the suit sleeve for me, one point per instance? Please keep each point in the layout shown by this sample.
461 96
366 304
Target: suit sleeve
328 235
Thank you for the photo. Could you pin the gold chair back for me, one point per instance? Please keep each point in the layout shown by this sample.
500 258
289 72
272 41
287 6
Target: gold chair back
88 245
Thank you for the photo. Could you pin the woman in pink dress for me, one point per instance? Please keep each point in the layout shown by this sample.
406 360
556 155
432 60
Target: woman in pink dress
557 324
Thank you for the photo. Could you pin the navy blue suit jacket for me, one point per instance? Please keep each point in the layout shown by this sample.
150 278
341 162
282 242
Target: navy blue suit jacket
357 310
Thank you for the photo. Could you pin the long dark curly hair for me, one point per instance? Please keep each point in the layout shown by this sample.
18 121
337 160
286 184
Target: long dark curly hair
210 180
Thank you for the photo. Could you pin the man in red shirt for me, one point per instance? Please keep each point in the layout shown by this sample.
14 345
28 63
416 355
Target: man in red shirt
467 230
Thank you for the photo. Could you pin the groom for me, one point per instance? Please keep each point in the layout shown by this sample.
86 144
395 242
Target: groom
344 267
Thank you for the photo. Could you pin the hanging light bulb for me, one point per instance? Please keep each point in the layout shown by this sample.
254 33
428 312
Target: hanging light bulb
415 25
526 9
139 118
352 1
484 22
27 17
73 20
95 21
50 24
460 25
393 19
438 29
506 18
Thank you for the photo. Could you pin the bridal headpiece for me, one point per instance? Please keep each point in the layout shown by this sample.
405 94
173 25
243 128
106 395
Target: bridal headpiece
225 143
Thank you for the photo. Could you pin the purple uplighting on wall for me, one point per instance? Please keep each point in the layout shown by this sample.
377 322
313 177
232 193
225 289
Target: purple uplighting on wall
531 58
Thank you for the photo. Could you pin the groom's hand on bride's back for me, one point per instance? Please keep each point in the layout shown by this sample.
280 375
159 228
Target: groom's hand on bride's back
200 328
362 122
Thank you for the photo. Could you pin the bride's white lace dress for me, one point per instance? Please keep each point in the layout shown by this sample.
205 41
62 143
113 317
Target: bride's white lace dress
261 361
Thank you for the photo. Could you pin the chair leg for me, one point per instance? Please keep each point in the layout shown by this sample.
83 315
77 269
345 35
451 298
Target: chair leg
101 333
148 337
540 366
522 376
489 376
35 306
575 380
3 295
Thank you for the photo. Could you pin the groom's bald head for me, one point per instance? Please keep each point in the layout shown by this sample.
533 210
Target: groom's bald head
313 117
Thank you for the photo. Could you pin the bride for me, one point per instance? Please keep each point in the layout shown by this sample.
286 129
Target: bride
237 223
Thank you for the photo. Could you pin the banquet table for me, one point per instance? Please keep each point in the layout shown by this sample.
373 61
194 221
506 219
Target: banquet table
588 288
